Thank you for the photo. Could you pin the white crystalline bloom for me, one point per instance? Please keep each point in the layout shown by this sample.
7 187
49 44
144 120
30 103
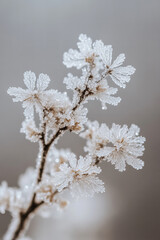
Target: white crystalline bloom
104 93
79 176
99 56
118 145
90 134
53 103
97 137
29 128
45 190
56 107
77 119
85 56
128 147
34 95
73 82
120 75
98 88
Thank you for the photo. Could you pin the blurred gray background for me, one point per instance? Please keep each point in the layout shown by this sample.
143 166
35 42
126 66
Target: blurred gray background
33 36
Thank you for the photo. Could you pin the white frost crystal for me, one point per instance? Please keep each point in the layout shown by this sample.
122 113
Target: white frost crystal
49 114
45 190
118 145
83 57
119 75
78 119
95 59
104 93
79 175
128 147
29 128
34 95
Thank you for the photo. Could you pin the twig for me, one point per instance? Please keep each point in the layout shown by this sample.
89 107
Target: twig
24 216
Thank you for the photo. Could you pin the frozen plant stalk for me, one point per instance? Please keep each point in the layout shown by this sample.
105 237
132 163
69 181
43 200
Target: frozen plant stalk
59 170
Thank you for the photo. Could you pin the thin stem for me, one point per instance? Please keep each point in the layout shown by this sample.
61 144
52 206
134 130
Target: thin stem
33 206
42 163
23 217
59 132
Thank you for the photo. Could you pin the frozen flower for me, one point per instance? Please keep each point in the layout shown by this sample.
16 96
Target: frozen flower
41 188
79 85
98 56
77 119
97 88
91 87
46 190
79 176
85 55
101 91
120 75
34 95
97 137
128 147
29 128
74 82
118 145
56 108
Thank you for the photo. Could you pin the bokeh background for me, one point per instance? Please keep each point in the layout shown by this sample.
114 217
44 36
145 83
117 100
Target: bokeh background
33 36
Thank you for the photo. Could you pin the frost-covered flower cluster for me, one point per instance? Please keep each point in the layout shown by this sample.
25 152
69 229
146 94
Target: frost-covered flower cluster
79 175
95 59
118 145
41 188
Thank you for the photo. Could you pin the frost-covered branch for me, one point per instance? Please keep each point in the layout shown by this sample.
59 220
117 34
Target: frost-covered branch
59 170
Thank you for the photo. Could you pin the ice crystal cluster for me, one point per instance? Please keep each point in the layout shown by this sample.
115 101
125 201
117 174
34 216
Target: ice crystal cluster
41 188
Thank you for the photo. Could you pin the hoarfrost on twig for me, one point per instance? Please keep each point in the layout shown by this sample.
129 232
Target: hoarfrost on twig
58 170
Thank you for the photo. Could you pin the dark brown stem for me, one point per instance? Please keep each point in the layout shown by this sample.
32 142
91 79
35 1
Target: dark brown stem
42 163
84 93
24 216
82 97
98 160
59 132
